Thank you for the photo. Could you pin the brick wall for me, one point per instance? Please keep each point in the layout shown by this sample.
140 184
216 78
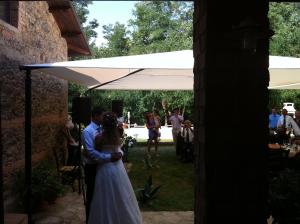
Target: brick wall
37 39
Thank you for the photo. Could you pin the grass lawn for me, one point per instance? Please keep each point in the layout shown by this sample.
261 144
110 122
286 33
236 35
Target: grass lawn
176 178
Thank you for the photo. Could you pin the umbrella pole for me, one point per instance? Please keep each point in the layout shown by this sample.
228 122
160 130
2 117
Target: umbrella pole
90 94
28 166
1 166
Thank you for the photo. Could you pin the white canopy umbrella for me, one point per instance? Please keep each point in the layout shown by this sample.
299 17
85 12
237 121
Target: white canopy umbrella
165 71
284 72
159 71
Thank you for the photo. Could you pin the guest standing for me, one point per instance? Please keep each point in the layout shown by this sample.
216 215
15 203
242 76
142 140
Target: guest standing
273 119
187 134
157 122
176 119
297 118
72 135
152 132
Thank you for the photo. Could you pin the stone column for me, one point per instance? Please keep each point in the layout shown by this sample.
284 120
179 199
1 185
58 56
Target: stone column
231 128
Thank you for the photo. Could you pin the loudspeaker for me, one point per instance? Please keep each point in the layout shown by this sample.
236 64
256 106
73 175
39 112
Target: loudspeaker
81 110
117 107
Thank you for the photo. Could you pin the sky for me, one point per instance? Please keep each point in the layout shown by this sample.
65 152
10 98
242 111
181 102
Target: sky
107 12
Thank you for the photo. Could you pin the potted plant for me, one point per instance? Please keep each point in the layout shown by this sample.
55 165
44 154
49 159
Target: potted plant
127 142
148 193
46 186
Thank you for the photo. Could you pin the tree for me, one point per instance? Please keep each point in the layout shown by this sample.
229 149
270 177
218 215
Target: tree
82 12
278 97
117 41
161 26
74 90
139 102
285 21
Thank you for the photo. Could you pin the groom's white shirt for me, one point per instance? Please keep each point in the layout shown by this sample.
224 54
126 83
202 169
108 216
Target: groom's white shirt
91 155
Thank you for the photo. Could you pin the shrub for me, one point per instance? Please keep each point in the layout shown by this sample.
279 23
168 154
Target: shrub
46 185
147 194
127 142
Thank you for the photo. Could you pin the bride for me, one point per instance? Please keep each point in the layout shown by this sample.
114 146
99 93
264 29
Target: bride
114 201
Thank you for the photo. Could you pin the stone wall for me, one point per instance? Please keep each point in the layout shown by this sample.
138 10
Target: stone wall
37 39
230 82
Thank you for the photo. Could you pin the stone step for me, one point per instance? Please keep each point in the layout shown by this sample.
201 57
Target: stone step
13 218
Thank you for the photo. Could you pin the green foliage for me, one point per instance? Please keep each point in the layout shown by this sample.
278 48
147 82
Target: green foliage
161 26
139 102
46 185
118 41
75 90
147 194
285 22
127 142
278 97
157 26
284 198
82 12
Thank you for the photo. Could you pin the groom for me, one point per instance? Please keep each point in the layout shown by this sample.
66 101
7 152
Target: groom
92 157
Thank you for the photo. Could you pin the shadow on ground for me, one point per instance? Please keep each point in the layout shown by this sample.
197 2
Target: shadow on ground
70 210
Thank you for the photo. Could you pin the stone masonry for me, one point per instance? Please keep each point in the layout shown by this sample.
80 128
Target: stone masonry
231 84
36 39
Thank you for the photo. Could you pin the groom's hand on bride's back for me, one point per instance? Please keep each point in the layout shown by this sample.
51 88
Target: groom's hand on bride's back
115 156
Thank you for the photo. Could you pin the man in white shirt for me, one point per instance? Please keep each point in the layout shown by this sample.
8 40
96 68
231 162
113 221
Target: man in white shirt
187 134
92 157
284 120
176 121
285 124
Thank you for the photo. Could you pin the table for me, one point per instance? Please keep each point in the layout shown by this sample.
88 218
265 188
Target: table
283 156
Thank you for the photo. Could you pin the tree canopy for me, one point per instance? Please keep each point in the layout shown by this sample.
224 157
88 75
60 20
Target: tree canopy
285 21
161 26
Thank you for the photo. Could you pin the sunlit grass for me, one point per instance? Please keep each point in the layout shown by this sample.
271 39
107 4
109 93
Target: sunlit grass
176 178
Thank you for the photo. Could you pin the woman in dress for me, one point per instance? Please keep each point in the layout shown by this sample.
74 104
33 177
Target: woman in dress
157 122
153 133
114 201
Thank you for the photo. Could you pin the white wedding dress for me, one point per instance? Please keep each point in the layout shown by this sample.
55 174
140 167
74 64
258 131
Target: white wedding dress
114 201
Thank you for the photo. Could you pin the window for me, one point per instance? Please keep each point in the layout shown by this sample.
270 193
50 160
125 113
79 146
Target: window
4 11
9 12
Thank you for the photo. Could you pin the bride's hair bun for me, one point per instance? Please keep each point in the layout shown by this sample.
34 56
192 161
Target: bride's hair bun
109 120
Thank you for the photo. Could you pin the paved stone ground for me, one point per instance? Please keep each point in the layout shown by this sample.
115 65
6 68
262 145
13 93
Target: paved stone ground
168 217
70 210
